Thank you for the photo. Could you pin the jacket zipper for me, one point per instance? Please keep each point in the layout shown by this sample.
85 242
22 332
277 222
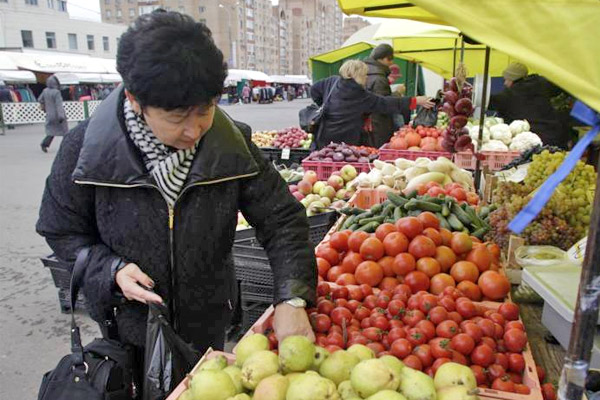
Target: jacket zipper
171 225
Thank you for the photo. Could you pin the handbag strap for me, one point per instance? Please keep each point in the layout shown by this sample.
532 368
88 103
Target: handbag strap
76 278
330 92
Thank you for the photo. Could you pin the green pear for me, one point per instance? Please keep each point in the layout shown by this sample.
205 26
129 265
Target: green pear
296 353
240 396
259 366
273 387
235 373
387 395
249 345
454 374
457 393
394 364
415 385
320 355
338 366
372 376
361 351
218 363
346 391
311 386
187 395
212 384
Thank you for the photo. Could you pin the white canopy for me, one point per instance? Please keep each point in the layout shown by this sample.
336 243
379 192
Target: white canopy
236 75
53 63
291 79
17 76
75 78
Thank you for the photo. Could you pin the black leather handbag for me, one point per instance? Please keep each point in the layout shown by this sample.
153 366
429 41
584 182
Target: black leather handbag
102 370
311 116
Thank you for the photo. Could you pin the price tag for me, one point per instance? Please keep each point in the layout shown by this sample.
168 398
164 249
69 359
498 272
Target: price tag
285 154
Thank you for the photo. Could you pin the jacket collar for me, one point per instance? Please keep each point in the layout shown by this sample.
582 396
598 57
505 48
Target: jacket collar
109 157
377 68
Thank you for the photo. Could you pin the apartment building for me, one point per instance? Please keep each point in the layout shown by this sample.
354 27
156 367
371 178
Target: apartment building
253 34
46 25
353 25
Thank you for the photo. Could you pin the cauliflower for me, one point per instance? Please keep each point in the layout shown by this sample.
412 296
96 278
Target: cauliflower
491 121
474 133
519 126
494 145
502 133
524 141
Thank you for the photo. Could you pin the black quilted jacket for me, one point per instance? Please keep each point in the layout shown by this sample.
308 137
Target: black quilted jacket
100 195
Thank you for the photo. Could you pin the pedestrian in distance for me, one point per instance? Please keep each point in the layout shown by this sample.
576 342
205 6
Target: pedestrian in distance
349 102
52 104
151 186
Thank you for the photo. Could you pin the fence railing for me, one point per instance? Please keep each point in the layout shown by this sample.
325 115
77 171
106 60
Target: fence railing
31 113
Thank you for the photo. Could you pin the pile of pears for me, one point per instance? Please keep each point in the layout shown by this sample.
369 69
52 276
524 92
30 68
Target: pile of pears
303 371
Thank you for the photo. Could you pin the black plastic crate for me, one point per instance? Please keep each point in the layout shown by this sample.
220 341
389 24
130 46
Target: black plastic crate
251 312
273 154
60 271
251 292
251 261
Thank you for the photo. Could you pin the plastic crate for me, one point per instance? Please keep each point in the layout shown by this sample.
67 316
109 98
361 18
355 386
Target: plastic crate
274 154
324 169
387 154
367 198
185 384
251 260
252 292
493 160
252 312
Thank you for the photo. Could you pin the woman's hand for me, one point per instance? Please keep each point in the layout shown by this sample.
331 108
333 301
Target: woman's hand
129 279
425 102
291 321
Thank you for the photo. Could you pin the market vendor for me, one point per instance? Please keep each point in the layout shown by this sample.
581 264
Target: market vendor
152 185
528 97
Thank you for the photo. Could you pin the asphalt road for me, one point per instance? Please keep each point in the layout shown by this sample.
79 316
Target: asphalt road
34 335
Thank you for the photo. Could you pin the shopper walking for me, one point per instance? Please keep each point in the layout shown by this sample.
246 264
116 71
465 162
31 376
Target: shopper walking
152 185
529 97
246 94
350 101
56 120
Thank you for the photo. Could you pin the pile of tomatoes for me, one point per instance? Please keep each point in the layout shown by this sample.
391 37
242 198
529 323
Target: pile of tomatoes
454 189
416 252
425 330
421 138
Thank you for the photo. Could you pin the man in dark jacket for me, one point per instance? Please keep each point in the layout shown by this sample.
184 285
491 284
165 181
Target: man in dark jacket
528 97
152 185
379 63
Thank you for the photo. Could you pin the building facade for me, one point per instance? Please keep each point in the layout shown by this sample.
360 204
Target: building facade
353 25
46 25
253 34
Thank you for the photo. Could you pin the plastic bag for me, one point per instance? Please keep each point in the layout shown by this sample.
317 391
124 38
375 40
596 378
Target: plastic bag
426 117
527 256
167 356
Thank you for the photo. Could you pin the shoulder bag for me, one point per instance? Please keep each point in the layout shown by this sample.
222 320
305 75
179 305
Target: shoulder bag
312 115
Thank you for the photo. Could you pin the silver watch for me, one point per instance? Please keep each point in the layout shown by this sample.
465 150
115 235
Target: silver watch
296 302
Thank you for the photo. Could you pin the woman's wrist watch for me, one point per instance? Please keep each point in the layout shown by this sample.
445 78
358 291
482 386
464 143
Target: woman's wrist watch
296 302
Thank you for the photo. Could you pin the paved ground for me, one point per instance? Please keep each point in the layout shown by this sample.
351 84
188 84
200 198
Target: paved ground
33 332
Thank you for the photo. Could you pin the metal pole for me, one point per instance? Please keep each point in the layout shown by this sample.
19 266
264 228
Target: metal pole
454 57
416 79
486 71
583 330
462 49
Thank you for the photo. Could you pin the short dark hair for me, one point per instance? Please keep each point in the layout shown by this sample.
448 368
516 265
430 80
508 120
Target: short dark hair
382 51
170 61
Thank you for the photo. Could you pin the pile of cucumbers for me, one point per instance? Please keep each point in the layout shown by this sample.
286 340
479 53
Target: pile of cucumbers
453 216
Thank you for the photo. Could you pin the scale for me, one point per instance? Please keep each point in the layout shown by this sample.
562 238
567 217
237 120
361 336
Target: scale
558 285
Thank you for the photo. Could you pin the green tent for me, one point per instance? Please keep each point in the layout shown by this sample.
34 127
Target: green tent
327 64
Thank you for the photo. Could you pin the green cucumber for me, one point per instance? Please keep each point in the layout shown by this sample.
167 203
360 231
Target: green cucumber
398 200
376 209
412 194
455 223
411 205
480 233
370 227
443 222
445 210
484 212
354 227
437 200
414 213
349 222
398 213
352 210
379 219
366 214
427 206
388 210
461 214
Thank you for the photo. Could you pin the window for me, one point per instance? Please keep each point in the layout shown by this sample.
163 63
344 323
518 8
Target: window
51 4
90 42
108 14
72 41
147 9
182 9
31 2
119 13
27 38
105 45
62 5
201 9
51 40
107 2
132 12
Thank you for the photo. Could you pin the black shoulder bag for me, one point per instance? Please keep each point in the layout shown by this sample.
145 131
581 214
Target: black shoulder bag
102 370
311 116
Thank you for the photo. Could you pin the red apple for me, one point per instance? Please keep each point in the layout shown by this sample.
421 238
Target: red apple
336 182
311 177
305 187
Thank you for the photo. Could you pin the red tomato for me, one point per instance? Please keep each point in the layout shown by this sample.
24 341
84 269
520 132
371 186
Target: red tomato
437 315
495 371
435 191
488 328
428 301
482 355
328 253
466 309
480 375
516 378
429 266
522 389
351 261
434 235
455 316
494 285
395 334
438 363
339 293
404 263
354 293
458 193
509 310
366 289
401 348
381 323
362 313
334 273
323 289
416 337
339 241
321 323
373 334
376 347
422 246
409 226
395 243
325 307
515 340
369 272
473 330
383 230
541 373
346 279
549 391
501 359
463 343
341 314
514 325
371 249
417 280
424 353
503 384
335 339
447 329
413 317
356 239
429 220
441 348
353 305
427 327
332 348
413 362
448 303
516 363
323 266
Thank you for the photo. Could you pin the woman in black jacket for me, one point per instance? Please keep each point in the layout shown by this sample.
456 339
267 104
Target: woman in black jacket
349 101
152 185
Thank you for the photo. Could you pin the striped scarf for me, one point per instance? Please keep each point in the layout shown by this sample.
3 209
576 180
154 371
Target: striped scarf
169 167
